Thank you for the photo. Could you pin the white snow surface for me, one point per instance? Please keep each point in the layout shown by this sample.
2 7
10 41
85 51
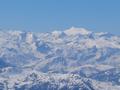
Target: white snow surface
74 31
74 59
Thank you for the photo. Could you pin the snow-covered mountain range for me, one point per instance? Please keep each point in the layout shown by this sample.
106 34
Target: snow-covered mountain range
74 59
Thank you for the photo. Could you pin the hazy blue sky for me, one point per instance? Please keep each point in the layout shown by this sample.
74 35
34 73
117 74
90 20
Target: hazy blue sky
48 15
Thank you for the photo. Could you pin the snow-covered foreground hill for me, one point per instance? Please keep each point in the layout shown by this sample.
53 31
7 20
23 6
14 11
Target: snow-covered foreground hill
74 59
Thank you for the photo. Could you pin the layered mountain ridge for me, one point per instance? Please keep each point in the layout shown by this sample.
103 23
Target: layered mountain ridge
93 57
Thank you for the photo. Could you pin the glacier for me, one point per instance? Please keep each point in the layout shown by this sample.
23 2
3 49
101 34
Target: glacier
73 59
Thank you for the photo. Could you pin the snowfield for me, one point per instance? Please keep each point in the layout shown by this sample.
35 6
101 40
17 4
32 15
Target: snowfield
74 59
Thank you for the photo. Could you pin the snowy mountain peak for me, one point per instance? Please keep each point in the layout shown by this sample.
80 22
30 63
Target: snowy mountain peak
74 59
74 31
57 33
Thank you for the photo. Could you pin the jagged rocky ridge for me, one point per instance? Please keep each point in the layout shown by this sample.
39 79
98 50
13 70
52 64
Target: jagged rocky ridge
75 58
